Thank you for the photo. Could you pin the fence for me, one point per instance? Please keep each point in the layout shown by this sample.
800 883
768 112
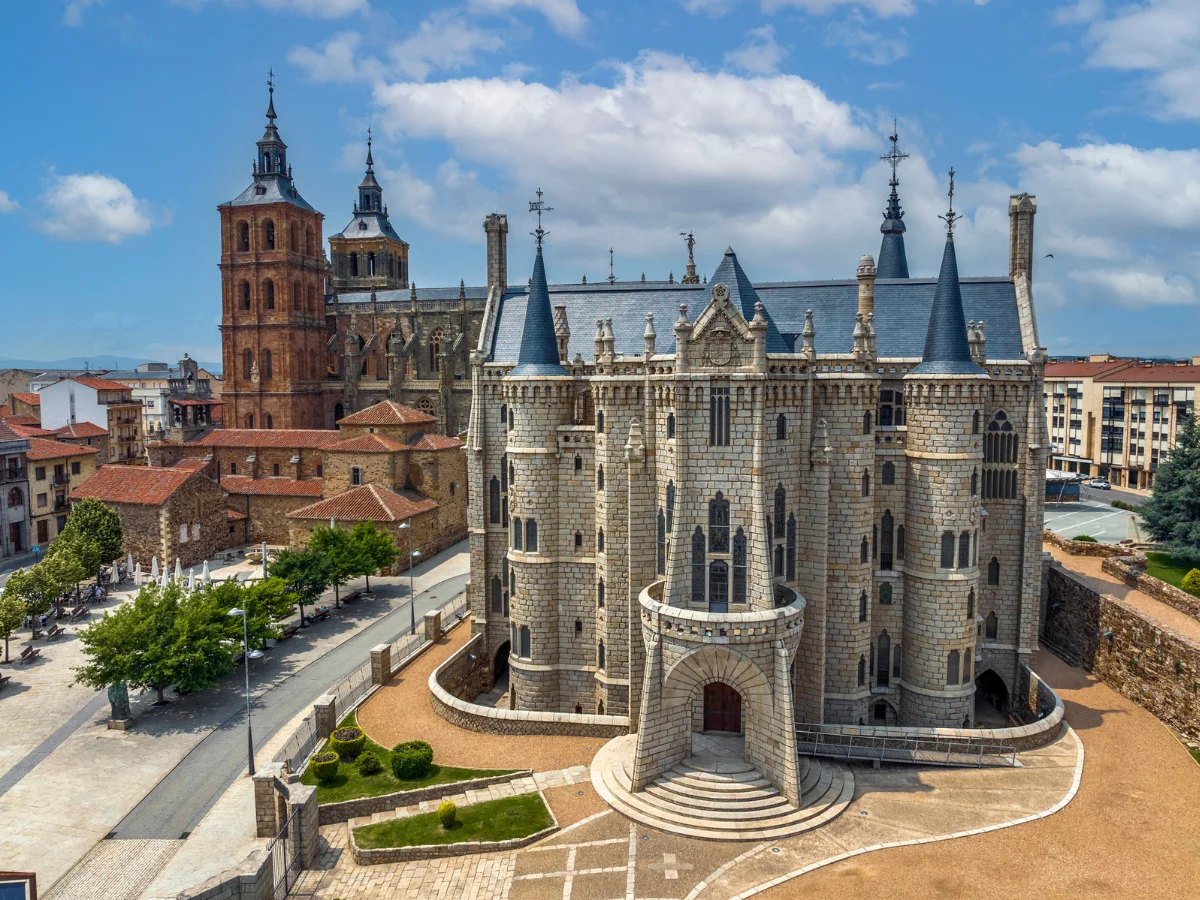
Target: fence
894 745
284 853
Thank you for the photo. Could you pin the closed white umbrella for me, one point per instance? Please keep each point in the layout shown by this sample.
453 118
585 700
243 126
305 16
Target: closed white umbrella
128 562
178 570
154 568
191 582
205 576
137 575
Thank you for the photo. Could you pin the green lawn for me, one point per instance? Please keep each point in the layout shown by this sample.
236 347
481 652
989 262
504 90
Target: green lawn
1195 755
1165 567
494 820
348 784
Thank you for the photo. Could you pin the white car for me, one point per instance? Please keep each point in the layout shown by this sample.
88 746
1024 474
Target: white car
1099 484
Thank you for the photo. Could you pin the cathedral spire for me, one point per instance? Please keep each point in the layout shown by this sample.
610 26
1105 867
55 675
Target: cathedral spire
271 102
272 151
539 344
370 194
893 263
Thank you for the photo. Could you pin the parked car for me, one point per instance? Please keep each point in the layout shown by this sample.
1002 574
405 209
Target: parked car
1099 484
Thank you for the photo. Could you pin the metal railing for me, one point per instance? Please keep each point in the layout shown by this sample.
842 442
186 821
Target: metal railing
284 853
894 745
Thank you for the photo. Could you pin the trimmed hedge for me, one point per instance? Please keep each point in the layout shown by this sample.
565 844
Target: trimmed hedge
347 742
1085 538
412 760
447 813
1191 582
368 763
325 765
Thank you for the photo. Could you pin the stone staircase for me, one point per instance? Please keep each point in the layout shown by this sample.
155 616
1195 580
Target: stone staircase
721 798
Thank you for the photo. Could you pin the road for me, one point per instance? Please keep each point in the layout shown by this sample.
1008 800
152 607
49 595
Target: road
1105 523
178 803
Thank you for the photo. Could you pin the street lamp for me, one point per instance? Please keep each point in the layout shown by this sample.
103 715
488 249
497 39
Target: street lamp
247 655
412 556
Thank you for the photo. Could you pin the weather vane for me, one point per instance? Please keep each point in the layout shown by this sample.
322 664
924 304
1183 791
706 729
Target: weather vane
951 217
895 156
691 242
611 277
539 207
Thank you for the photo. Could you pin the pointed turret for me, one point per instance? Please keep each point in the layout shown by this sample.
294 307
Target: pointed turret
539 345
893 263
370 194
272 151
947 351
744 297
272 175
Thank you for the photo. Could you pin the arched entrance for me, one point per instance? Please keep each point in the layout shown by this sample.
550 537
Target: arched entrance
722 708
991 700
500 662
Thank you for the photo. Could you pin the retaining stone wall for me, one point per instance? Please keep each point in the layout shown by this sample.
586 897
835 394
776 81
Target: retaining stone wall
1082 548
1132 570
434 851
332 813
253 881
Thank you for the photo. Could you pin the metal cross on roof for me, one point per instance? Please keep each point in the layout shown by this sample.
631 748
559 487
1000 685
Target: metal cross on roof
951 216
539 207
895 156
611 277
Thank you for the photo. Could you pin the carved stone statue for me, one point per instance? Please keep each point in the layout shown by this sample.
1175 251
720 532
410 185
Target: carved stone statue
118 701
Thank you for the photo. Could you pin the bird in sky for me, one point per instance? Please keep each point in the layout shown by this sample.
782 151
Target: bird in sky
1048 256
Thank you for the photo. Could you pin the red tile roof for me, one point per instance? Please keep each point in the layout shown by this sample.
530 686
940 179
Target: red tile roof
387 412
1156 374
1083 369
5 412
369 443
273 486
147 485
250 438
102 384
369 503
193 465
81 430
7 433
23 420
435 442
235 516
33 399
40 449
29 431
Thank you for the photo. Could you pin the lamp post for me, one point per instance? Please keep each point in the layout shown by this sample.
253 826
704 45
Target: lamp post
412 598
247 655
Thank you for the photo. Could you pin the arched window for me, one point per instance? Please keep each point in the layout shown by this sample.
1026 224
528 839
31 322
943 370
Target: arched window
526 650
308 240
297 297
885 540
599 421
670 505
718 524
719 417
791 548
991 626
661 566
952 667
864 550
497 595
354 265
339 412
243 237
16 497
883 659
600 655
866 484
994 571
269 233
778 560
504 415
599 478
862 607
974 482
889 473
269 290
862 670
530 536
356 476
897 661
370 263
867 422
968 665
975 422
1000 459
885 594
245 295
718 586
578 463
670 425
698 564
518 533
435 350
247 362
899 542
964 550
270 421
971 604
600 593
579 539
512 418
294 238
780 509
494 501
780 427
249 423
268 366
739 566
947 549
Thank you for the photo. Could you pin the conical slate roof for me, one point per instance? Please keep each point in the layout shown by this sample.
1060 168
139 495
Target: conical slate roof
539 348
744 297
893 262
946 349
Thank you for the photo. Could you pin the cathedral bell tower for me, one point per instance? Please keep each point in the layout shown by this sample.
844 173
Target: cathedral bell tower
272 297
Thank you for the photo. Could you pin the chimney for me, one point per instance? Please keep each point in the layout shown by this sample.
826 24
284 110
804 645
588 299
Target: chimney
866 286
496 226
1021 210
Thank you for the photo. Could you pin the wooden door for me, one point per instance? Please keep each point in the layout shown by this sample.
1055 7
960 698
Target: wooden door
722 708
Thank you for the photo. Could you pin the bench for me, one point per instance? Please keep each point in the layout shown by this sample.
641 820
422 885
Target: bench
30 653
289 631
79 612
54 632
352 596
4 679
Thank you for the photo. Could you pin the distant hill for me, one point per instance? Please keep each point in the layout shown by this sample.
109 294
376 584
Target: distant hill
91 362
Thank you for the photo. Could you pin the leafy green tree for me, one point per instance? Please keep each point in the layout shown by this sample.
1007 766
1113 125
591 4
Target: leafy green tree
12 614
266 602
304 573
95 520
201 651
82 547
35 589
375 549
64 570
342 553
1172 514
112 645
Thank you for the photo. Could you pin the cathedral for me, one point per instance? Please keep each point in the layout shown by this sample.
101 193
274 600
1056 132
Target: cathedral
724 507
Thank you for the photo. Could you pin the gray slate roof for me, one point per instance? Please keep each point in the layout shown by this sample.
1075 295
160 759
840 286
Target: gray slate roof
279 190
538 353
743 296
404 295
377 226
947 351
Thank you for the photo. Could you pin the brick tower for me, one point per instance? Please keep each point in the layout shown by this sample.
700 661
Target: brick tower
272 297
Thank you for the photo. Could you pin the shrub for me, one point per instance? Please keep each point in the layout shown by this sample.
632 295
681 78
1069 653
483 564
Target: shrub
1085 538
325 765
368 763
412 760
347 742
447 813
1121 504
1191 582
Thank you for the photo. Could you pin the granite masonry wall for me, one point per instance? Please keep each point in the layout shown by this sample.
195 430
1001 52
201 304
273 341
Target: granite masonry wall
1132 570
1082 548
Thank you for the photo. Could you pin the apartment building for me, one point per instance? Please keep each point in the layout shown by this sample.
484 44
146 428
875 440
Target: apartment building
103 402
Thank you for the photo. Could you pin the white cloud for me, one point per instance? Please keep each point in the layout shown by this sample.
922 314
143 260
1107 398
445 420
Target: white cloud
443 41
759 54
868 46
564 16
1079 13
7 203
334 62
73 12
1139 288
93 208
882 8
316 9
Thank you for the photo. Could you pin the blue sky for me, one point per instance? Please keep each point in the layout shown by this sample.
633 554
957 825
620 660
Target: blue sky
754 124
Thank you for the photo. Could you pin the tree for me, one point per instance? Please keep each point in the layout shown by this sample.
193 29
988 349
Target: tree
201 651
92 518
82 547
111 646
12 614
1172 514
342 553
35 589
63 570
305 574
266 603
375 549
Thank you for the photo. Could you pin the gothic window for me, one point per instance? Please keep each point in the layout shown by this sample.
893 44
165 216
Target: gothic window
270 421
698 565
504 415
975 547
269 288
497 595
526 650
518 534
866 484
947 549
494 501
884 659
600 541
247 362
354 265
968 664
899 542
243 237
964 550
791 548
719 418
268 365
974 482
294 238
435 350
670 425
370 263
885 541
600 593
971 605
862 670
889 473
269 230
994 571
599 421
991 626
739 566
885 594
864 550
530 536
245 295
504 473
579 539
599 478
891 408
952 667
308 241
718 586
578 463
718 524
867 423
1000 459
600 655
874 542
504 510
297 297
670 505
780 427
778 560
862 607
780 509
661 566
897 660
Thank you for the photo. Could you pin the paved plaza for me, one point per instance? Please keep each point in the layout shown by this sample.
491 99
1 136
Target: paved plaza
1105 523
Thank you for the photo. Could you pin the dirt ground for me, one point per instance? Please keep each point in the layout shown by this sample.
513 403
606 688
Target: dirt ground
1132 831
